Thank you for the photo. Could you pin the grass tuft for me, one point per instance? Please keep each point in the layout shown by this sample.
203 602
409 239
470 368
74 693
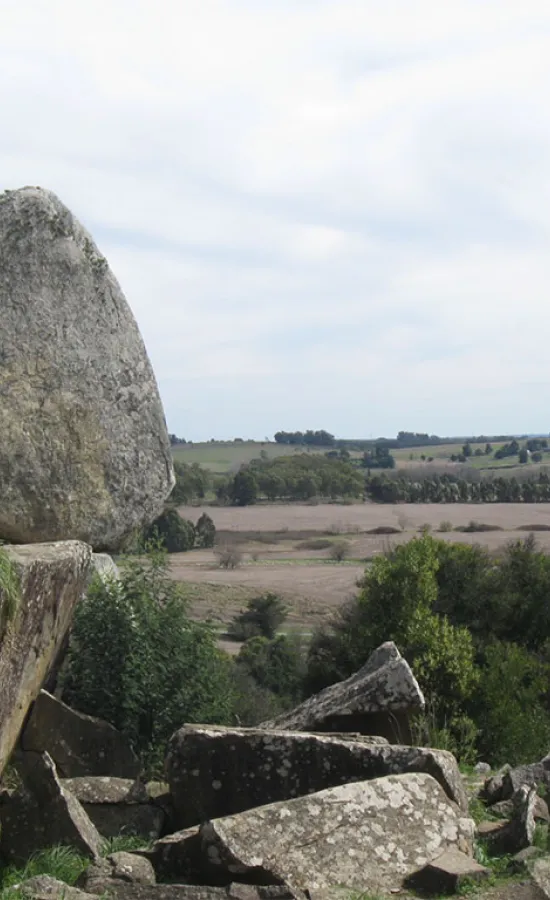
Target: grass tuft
63 863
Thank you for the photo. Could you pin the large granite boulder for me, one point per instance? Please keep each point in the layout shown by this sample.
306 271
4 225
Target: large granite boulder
378 699
84 451
215 771
42 814
363 836
78 744
52 578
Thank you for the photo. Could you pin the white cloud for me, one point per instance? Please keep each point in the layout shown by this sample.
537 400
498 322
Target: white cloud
326 213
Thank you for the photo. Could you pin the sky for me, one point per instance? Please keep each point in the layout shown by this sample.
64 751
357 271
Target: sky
323 213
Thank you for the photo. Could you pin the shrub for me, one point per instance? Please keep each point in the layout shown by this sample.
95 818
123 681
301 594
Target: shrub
538 526
384 529
205 531
262 617
445 526
229 557
138 661
177 534
473 527
340 550
277 665
315 544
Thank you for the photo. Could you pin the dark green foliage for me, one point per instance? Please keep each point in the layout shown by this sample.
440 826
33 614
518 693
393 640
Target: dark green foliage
176 534
205 532
523 456
138 661
276 665
192 482
262 617
308 438
244 489
510 449
476 631
304 476
471 487
380 459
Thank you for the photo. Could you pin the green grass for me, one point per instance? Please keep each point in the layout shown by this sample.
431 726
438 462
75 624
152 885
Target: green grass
63 863
224 456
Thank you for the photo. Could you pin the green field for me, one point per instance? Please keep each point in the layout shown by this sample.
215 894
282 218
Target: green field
227 456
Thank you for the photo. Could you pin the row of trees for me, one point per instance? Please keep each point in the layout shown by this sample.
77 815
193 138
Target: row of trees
299 477
310 438
450 488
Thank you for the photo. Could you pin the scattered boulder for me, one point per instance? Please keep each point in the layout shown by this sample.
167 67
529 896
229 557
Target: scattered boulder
482 768
52 579
513 835
43 814
120 806
506 808
378 699
84 450
539 870
447 874
103 875
367 835
215 771
505 783
78 744
44 887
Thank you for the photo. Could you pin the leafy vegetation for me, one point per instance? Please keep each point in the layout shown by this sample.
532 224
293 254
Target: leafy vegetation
476 632
138 661
10 590
262 617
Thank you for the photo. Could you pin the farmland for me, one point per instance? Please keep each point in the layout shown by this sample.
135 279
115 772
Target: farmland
281 549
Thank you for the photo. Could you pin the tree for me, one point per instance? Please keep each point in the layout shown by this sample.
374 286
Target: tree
467 449
523 455
205 531
488 449
276 665
262 617
177 534
138 661
244 490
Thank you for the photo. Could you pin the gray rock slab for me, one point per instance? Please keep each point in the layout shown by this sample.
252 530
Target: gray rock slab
52 578
447 873
215 771
364 836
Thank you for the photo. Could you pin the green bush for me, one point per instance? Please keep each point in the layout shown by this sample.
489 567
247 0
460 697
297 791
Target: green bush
276 665
261 618
177 534
205 531
138 661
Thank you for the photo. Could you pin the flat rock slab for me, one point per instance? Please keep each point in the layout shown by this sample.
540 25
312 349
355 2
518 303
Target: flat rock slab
377 699
364 836
122 806
44 887
447 873
43 814
78 744
52 579
84 450
215 771
539 869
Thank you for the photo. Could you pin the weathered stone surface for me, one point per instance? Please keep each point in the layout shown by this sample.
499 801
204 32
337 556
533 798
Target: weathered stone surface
447 873
513 835
504 784
505 808
84 451
119 806
364 836
215 771
103 875
105 567
43 814
78 744
539 870
52 578
377 700
44 887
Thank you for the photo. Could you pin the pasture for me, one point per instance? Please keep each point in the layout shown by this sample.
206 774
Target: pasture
286 548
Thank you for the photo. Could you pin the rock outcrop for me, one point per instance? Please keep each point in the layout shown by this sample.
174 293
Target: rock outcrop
365 836
84 451
215 771
52 578
43 814
378 699
122 806
78 744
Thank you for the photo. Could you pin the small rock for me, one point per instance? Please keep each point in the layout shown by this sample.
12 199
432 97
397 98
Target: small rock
510 836
520 860
447 873
482 768
102 875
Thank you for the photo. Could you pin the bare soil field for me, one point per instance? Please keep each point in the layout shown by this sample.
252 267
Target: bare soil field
278 544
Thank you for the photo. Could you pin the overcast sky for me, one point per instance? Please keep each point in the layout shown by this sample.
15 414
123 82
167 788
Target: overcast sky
323 213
